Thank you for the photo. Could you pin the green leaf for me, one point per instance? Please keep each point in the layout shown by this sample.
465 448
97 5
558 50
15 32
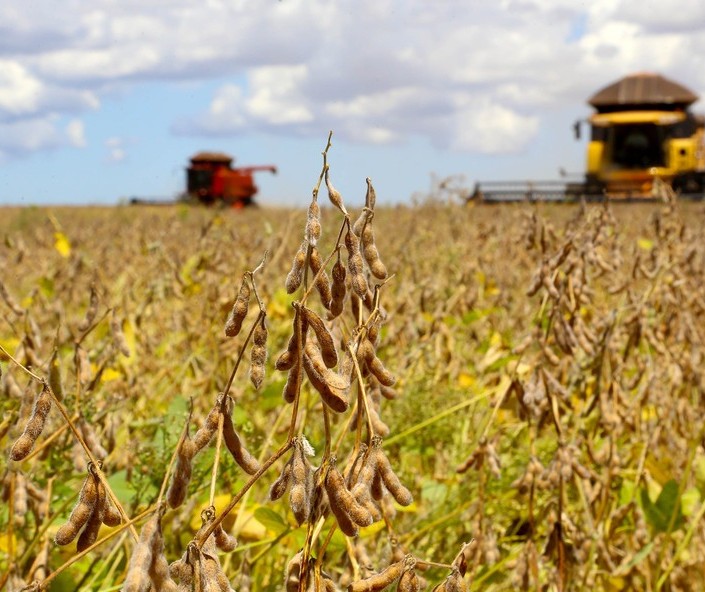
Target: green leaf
122 488
433 492
665 512
271 520
46 286
637 559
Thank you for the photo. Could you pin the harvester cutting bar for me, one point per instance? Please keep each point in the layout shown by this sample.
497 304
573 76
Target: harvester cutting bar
506 191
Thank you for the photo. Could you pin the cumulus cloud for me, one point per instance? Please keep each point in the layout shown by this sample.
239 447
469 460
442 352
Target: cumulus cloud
471 76
117 151
25 136
75 133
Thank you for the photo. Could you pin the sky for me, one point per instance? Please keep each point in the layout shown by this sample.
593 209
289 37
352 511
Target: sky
103 100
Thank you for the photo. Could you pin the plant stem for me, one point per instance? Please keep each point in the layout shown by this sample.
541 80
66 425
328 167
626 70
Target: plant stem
237 497
216 460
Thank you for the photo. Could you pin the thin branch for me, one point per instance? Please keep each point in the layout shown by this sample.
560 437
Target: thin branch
239 495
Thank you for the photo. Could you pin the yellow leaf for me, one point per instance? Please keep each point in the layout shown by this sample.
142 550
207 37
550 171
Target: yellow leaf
690 501
10 343
465 380
62 244
614 584
6 543
110 374
645 244
128 330
649 413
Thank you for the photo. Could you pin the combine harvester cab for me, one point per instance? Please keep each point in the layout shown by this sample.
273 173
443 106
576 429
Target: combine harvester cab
643 130
211 179
642 135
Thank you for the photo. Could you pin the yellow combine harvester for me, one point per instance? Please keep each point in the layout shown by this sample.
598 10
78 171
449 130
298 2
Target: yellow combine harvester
642 134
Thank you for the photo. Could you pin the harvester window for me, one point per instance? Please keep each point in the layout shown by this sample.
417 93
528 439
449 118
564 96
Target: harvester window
637 146
683 129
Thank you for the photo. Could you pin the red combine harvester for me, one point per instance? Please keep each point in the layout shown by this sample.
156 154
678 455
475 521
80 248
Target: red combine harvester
211 179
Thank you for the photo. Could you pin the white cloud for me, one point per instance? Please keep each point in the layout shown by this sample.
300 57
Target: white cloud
491 129
467 76
277 99
19 90
76 133
116 149
25 136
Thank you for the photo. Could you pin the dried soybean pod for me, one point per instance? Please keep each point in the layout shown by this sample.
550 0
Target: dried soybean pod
362 496
322 283
159 568
19 498
89 436
338 289
89 534
286 359
258 355
376 367
384 468
55 375
299 493
10 301
345 522
223 540
356 307
370 252
111 516
339 495
313 360
247 462
87 499
290 356
12 389
293 383
378 426
377 487
91 311
361 221
380 581
24 444
371 195
293 573
239 310
39 569
454 583
313 222
356 466
118 336
355 263
329 384
138 576
205 433
324 337
334 195
83 364
280 486
388 392
368 468
409 581
178 487
328 583
374 364
296 274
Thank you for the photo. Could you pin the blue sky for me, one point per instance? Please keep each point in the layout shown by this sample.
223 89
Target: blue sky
102 100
